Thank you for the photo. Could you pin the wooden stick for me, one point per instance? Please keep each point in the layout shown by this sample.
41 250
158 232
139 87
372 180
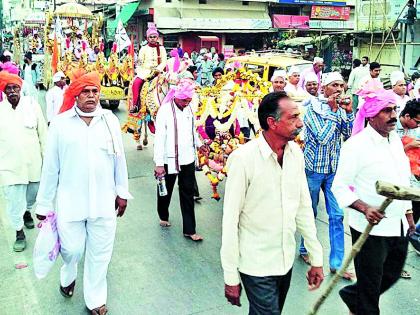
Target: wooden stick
354 251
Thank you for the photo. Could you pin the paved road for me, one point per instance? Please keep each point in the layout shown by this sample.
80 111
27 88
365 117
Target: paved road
157 271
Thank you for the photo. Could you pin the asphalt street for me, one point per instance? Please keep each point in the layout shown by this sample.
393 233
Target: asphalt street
157 271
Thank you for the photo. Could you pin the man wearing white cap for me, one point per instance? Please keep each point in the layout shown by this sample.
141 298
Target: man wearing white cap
399 87
311 87
54 96
278 81
317 67
293 89
328 119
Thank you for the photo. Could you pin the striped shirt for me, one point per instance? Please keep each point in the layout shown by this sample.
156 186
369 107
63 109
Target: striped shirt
323 134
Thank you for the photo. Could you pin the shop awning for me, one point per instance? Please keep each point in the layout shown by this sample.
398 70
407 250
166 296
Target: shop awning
216 20
125 15
209 38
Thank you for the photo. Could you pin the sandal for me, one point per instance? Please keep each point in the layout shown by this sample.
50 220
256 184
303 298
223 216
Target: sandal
164 223
194 237
102 310
405 274
68 291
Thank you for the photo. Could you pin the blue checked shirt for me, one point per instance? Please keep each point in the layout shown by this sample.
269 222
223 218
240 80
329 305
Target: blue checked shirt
323 135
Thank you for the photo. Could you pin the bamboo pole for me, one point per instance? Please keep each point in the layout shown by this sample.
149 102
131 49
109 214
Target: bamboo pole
354 251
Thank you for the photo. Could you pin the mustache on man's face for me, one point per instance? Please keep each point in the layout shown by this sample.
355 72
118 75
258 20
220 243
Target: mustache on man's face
392 120
297 132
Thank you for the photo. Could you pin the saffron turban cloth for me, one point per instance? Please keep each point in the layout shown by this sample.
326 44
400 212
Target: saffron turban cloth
9 78
152 30
184 90
375 101
79 80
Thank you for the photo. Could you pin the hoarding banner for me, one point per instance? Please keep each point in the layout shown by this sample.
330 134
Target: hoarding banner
330 13
331 24
325 2
290 21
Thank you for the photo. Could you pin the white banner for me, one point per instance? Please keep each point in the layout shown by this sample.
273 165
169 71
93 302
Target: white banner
121 37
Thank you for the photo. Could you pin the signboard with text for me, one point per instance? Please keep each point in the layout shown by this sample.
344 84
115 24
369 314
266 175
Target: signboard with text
331 24
330 13
324 2
290 21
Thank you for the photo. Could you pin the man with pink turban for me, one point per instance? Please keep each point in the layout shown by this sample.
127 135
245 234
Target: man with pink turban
23 134
373 153
176 143
151 62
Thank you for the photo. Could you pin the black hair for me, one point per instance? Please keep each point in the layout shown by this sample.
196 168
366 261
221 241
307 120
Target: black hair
412 108
216 70
366 57
356 62
221 56
192 69
374 65
415 76
269 107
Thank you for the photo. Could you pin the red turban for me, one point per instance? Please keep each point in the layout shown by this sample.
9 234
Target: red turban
8 78
79 80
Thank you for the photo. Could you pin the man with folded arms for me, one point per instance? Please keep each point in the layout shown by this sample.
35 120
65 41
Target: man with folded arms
266 200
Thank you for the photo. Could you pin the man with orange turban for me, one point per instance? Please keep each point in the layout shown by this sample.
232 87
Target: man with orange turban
22 137
84 181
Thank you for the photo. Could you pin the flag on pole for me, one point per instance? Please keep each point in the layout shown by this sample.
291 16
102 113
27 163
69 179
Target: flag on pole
121 37
55 54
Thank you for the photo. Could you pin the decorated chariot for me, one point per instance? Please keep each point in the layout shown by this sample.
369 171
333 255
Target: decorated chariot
73 40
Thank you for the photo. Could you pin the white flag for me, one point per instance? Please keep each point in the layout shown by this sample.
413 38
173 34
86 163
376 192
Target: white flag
121 37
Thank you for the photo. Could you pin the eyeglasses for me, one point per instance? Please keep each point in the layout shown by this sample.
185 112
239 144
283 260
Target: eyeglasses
9 88
87 92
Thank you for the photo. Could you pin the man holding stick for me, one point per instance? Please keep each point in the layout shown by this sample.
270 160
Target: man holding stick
374 153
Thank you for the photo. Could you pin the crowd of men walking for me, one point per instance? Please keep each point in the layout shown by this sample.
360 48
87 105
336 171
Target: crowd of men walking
347 148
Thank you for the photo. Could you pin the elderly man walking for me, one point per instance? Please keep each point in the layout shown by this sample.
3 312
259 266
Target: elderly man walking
328 118
176 143
22 138
84 180
374 153
266 200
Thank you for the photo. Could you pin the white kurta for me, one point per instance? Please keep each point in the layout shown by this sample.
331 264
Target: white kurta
164 145
54 100
82 169
22 140
148 61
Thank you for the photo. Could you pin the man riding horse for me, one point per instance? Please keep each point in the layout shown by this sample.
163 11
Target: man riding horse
151 62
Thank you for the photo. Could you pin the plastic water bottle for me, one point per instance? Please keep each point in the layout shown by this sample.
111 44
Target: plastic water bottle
161 186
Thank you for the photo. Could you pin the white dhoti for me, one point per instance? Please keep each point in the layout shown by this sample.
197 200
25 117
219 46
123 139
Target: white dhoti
19 198
95 237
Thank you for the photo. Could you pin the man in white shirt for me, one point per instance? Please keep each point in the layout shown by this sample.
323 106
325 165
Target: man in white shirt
22 138
84 180
266 200
176 142
292 88
399 87
356 75
54 96
371 154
